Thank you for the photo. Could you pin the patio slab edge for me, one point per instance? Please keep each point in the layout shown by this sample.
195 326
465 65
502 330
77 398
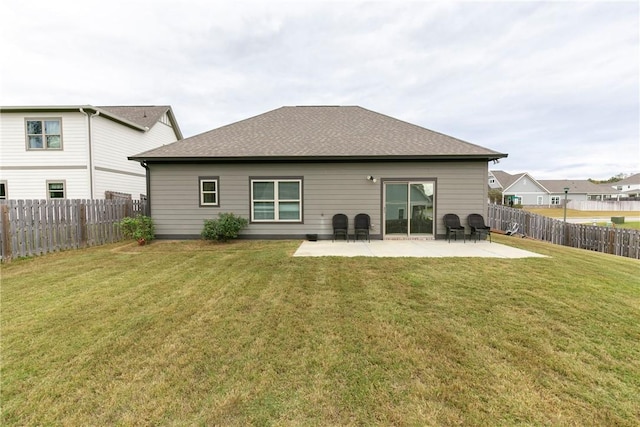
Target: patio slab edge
412 248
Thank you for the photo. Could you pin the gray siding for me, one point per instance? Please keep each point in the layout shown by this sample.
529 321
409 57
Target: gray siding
525 185
328 188
528 191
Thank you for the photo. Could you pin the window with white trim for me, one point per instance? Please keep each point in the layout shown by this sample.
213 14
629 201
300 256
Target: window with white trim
276 200
56 190
3 190
555 200
209 191
44 134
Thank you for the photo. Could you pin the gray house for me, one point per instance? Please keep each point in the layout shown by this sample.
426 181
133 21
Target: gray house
524 189
288 171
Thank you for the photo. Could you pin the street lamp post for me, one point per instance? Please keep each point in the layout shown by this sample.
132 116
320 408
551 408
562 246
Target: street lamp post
566 191
566 234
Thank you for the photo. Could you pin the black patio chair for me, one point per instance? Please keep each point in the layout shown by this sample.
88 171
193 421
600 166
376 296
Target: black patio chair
340 226
362 223
478 227
452 222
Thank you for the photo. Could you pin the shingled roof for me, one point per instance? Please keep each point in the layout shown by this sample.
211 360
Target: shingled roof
630 180
143 115
318 132
141 118
575 186
505 179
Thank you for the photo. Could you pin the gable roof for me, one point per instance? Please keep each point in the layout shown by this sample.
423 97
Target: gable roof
521 177
141 118
143 115
313 132
506 179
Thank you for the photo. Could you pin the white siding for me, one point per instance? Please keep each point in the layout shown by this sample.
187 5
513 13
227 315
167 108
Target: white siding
328 188
112 144
37 166
30 184
26 171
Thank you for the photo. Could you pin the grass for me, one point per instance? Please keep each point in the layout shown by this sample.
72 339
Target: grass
191 333
591 215
633 224
574 213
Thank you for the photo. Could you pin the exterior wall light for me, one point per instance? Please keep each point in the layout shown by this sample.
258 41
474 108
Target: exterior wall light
370 178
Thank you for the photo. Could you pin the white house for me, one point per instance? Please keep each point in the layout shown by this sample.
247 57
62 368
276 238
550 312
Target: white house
628 187
79 152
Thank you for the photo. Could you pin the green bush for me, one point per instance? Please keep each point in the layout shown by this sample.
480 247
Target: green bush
138 228
226 227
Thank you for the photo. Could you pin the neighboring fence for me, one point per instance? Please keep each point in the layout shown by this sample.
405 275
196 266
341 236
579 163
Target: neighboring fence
36 227
612 205
617 241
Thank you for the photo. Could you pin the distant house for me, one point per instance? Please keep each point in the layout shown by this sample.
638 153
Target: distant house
78 152
523 189
628 187
288 171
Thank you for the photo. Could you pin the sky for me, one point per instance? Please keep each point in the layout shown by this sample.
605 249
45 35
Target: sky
556 85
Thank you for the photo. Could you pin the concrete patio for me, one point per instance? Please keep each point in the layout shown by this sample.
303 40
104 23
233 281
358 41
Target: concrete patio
412 248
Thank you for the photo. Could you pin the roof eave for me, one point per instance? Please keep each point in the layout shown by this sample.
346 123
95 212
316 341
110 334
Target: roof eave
291 159
86 108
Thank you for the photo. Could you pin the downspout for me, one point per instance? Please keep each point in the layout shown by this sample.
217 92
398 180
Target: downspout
91 179
148 178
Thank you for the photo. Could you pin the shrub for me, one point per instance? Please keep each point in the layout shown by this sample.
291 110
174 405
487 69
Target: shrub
226 227
139 228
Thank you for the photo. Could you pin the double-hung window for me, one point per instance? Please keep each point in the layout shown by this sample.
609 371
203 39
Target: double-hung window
56 190
209 191
555 200
44 134
3 190
277 200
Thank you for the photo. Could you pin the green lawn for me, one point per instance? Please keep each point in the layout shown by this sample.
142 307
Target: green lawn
598 215
574 213
192 333
633 224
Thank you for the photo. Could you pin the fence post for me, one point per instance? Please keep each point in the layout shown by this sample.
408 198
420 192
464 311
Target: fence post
6 234
82 222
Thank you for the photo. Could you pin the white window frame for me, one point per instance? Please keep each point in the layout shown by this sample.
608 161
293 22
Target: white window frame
207 179
44 135
57 181
540 200
4 184
555 201
276 199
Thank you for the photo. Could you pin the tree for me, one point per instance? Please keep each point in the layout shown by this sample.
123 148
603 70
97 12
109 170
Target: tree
615 178
495 196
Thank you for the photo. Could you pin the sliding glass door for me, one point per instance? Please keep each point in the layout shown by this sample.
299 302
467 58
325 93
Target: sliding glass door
408 208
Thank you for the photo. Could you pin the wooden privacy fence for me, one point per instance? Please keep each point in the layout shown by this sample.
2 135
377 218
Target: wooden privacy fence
610 240
36 227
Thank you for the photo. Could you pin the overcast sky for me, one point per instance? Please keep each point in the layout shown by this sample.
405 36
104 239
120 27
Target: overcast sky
555 84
